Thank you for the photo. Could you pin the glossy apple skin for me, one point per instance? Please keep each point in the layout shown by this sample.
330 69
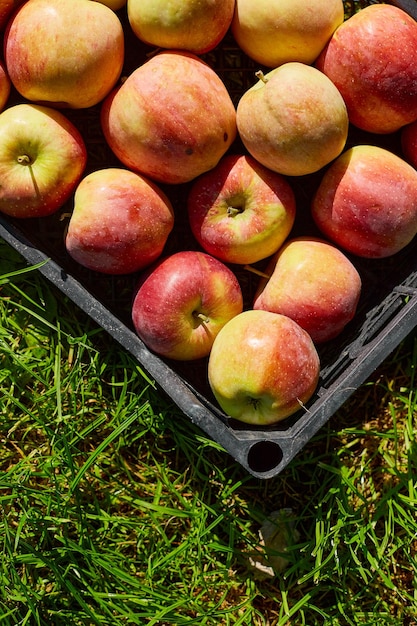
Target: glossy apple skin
293 120
120 222
366 202
167 302
64 54
315 284
42 158
194 25
262 367
408 138
5 86
371 58
277 32
240 211
172 119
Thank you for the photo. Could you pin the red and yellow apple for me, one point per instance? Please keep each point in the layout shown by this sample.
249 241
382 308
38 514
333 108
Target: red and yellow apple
64 54
120 222
182 303
5 86
366 202
293 120
314 283
240 211
172 119
273 32
371 58
263 367
42 158
194 25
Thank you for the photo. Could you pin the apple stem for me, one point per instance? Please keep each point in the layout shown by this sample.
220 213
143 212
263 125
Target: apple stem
201 317
24 159
259 74
255 271
232 211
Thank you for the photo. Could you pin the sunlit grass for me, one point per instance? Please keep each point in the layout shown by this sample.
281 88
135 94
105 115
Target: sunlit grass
116 510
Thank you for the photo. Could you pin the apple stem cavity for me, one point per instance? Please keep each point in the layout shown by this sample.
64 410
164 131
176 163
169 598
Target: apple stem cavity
236 205
259 74
252 269
233 210
201 317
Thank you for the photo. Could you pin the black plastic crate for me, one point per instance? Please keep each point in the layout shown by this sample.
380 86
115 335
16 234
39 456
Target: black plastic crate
387 311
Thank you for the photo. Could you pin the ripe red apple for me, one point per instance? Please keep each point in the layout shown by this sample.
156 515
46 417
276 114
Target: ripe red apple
120 222
263 367
293 120
172 119
5 86
371 58
42 158
408 138
64 54
366 202
314 283
273 32
240 211
194 25
181 305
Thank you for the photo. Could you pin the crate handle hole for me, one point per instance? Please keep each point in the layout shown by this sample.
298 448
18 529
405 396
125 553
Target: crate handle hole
263 456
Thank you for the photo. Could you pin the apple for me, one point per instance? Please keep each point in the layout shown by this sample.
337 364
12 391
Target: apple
183 302
120 222
240 211
366 202
273 32
6 9
64 54
172 119
293 120
263 367
371 58
42 158
408 139
5 86
194 25
314 283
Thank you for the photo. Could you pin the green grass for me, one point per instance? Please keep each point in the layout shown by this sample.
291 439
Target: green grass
116 510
